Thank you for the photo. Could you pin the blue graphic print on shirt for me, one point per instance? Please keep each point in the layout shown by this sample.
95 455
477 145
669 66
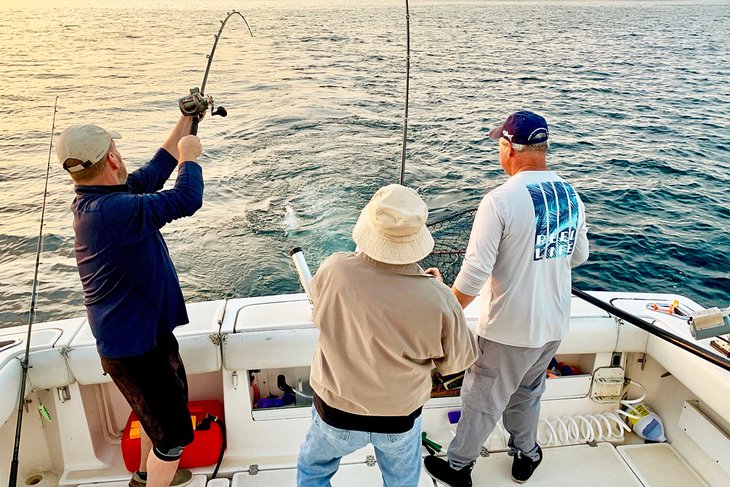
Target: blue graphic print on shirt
556 219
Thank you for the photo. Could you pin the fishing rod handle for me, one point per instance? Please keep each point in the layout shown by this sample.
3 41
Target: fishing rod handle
194 126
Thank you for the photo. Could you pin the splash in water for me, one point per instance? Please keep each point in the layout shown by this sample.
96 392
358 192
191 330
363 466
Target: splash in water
291 222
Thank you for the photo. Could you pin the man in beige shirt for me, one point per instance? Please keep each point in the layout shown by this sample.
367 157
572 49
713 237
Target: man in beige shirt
384 325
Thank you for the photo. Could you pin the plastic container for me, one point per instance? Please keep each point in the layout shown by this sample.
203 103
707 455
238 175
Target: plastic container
648 426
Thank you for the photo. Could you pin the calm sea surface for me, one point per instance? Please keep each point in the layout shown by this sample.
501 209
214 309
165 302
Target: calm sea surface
637 95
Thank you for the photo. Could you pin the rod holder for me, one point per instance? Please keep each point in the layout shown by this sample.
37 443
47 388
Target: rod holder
305 276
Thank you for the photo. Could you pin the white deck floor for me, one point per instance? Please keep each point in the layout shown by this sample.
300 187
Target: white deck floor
572 466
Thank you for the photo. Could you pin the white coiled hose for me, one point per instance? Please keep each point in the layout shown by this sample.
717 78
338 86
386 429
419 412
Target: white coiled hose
567 430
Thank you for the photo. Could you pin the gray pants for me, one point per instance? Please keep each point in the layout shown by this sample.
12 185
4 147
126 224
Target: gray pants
504 381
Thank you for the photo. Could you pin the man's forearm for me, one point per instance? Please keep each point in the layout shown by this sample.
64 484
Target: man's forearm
464 299
181 129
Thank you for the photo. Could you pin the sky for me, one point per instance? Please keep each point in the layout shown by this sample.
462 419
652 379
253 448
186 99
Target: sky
239 4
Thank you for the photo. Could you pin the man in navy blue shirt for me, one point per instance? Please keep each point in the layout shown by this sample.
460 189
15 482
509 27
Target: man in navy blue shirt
131 290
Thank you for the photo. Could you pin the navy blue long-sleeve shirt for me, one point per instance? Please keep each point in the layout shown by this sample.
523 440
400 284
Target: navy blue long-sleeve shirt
131 290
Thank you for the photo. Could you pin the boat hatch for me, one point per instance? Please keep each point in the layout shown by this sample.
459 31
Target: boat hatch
40 339
6 344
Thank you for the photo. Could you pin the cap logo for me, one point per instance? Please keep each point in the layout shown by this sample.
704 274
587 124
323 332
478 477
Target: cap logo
538 133
507 135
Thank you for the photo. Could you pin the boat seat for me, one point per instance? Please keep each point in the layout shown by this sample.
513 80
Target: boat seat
10 375
269 332
48 368
198 346
593 330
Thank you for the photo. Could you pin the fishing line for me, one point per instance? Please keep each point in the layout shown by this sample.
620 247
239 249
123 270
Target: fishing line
408 82
197 102
31 317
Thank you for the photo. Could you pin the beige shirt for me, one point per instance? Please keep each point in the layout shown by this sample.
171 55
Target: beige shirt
383 328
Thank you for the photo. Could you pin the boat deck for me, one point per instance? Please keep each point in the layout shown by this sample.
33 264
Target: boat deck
603 465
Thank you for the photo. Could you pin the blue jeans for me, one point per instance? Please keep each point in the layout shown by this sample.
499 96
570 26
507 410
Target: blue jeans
398 454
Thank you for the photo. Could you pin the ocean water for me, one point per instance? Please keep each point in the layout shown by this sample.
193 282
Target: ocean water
636 94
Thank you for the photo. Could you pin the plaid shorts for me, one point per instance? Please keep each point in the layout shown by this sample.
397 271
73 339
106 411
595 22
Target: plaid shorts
156 388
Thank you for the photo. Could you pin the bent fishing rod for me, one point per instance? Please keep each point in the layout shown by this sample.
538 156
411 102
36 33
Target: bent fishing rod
31 316
197 102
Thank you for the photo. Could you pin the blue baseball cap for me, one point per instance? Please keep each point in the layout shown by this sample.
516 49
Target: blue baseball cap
522 127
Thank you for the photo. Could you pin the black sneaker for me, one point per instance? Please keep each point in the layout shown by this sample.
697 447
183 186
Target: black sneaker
181 479
523 467
440 470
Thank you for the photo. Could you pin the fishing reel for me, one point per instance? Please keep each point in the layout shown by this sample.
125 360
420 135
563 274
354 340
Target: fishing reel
196 104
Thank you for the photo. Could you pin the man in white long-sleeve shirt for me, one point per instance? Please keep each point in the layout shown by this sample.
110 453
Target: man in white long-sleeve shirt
528 233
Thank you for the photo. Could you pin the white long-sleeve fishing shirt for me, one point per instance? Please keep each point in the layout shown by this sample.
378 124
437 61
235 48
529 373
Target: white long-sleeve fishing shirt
527 234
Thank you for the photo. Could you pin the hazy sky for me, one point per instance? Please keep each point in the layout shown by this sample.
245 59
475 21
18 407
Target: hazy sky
242 4
184 4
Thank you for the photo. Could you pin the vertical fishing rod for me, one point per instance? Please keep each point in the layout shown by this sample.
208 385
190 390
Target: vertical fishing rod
196 103
408 82
31 317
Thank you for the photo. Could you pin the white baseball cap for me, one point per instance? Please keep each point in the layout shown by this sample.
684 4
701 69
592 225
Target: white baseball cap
86 143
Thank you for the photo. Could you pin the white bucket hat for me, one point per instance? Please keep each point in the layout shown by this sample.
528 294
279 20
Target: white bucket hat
86 143
392 226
